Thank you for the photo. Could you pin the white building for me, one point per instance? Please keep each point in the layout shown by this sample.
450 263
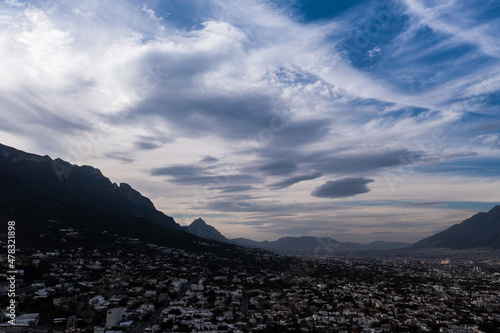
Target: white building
114 316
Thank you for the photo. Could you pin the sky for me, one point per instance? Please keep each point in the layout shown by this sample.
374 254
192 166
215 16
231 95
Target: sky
356 120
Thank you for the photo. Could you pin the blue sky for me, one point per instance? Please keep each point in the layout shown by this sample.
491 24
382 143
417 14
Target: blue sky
358 120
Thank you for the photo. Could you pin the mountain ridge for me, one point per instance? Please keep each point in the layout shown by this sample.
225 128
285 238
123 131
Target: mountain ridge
201 229
480 230
315 244
289 244
29 182
44 196
57 182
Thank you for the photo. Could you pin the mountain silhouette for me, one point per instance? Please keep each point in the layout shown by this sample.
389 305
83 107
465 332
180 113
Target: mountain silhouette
311 244
290 245
43 194
199 228
57 182
480 230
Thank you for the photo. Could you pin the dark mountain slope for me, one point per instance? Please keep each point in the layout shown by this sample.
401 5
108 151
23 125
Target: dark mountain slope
481 230
25 176
43 195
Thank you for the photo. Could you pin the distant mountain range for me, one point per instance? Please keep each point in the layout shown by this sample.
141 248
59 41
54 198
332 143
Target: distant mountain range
37 188
290 245
318 244
481 230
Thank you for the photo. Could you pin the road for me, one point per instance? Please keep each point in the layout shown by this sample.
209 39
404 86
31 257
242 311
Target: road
186 287
244 303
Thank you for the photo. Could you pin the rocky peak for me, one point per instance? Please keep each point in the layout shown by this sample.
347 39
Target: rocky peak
199 222
201 229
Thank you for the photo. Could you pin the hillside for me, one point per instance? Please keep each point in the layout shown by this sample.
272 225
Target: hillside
480 230
42 195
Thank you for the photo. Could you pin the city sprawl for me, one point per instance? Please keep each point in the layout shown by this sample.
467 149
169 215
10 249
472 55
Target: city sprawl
130 286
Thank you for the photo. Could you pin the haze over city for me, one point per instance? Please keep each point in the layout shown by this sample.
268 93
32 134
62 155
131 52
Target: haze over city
357 120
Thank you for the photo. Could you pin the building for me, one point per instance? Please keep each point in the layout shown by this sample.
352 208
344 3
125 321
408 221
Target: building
114 316
28 319
15 329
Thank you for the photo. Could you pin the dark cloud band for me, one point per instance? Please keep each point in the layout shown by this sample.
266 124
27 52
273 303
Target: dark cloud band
342 188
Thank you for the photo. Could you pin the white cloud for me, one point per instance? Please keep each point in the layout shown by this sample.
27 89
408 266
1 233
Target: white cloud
437 16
